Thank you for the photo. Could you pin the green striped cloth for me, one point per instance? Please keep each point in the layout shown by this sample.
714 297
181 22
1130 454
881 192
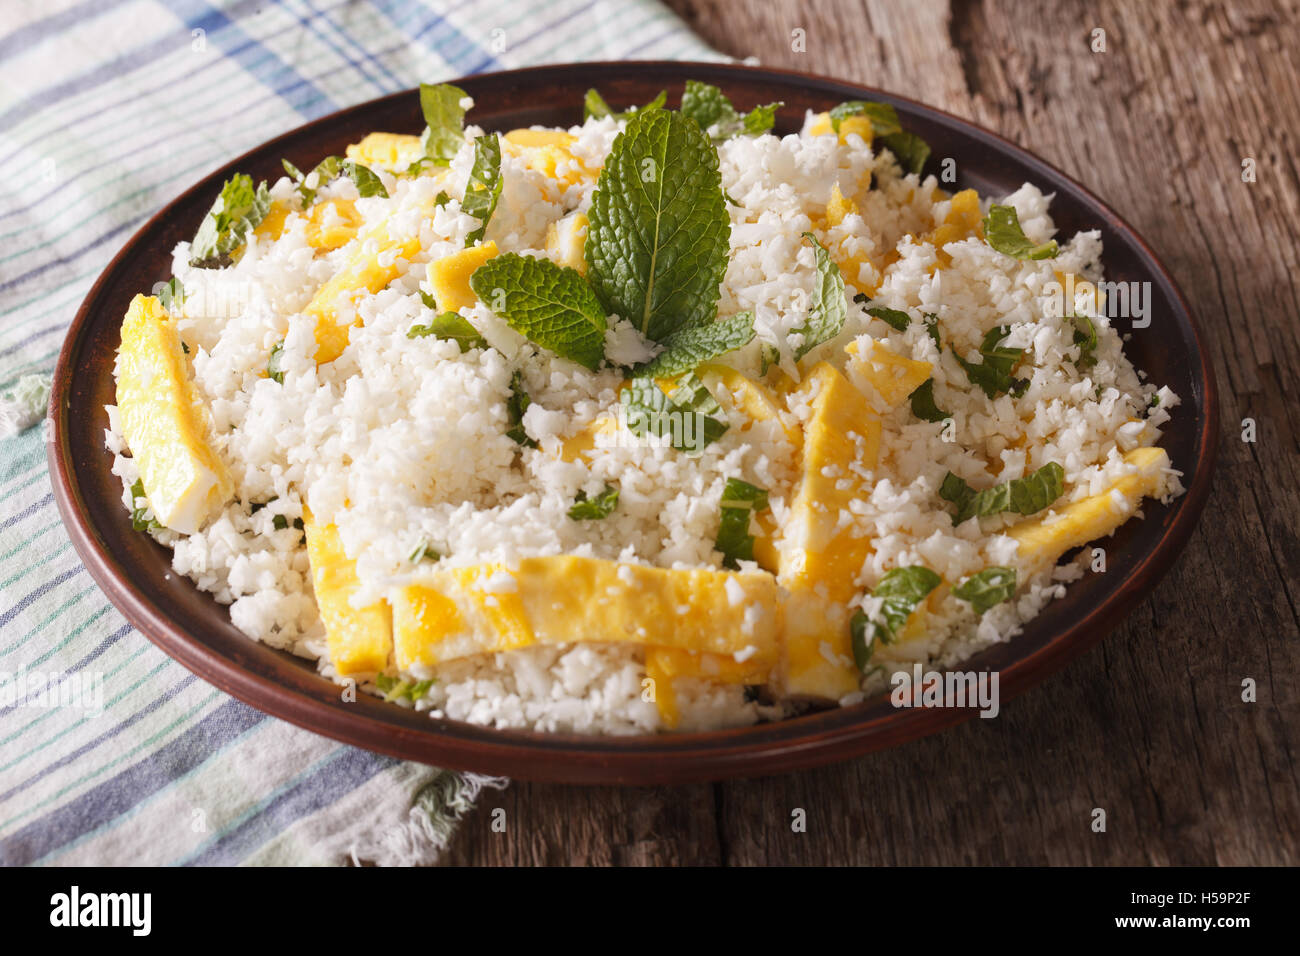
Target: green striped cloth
110 752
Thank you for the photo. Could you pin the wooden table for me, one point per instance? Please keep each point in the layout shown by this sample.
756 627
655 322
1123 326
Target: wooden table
1150 725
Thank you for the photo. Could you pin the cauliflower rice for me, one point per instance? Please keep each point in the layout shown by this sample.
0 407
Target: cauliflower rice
403 442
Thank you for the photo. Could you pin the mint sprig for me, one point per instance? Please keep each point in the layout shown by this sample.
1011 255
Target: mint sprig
659 232
909 150
828 310
688 349
549 304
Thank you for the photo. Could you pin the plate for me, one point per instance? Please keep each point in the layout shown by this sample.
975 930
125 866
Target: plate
188 625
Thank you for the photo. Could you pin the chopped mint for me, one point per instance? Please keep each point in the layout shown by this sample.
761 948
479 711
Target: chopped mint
685 416
444 118
1024 496
896 319
910 150
1085 336
394 689
828 310
932 328
516 405
484 186
709 106
172 294
593 104
450 326
235 214
423 552
1003 233
274 364
901 591
142 518
687 349
993 374
923 404
281 523
549 304
989 587
658 239
884 118
740 499
592 509
364 178
441 199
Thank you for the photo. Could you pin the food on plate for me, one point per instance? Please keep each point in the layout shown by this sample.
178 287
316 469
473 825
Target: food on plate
659 422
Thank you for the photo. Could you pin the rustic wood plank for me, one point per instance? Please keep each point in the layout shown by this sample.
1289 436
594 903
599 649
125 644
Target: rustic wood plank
1150 725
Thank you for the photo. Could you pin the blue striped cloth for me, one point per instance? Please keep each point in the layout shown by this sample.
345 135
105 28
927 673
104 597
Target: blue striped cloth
110 752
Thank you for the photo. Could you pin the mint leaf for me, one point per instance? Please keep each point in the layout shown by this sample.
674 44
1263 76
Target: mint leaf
828 310
989 587
450 326
444 117
1024 496
236 212
685 417
274 370
884 118
516 405
1003 233
325 170
142 518
923 404
708 105
484 186
593 509
394 689
901 590
593 104
896 319
549 304
281 523
659 232
689 348
366 180
1085 336
740 499
993 374
932 328
909 149
761 119
423 552
172 294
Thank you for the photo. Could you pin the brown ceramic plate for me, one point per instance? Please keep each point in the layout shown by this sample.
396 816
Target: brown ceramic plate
191 627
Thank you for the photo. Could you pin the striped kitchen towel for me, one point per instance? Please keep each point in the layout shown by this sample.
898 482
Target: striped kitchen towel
110 752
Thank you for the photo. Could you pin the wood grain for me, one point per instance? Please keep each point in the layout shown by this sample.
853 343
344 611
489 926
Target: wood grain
1151 725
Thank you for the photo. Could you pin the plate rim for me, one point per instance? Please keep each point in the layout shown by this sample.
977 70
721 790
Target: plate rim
795 744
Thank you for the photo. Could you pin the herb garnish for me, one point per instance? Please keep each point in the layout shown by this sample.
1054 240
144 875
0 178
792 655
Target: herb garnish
740 499
595 508
828 310
901 591
450 326
1003 233
1024 496
987 588
993 375
234 214
484 186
